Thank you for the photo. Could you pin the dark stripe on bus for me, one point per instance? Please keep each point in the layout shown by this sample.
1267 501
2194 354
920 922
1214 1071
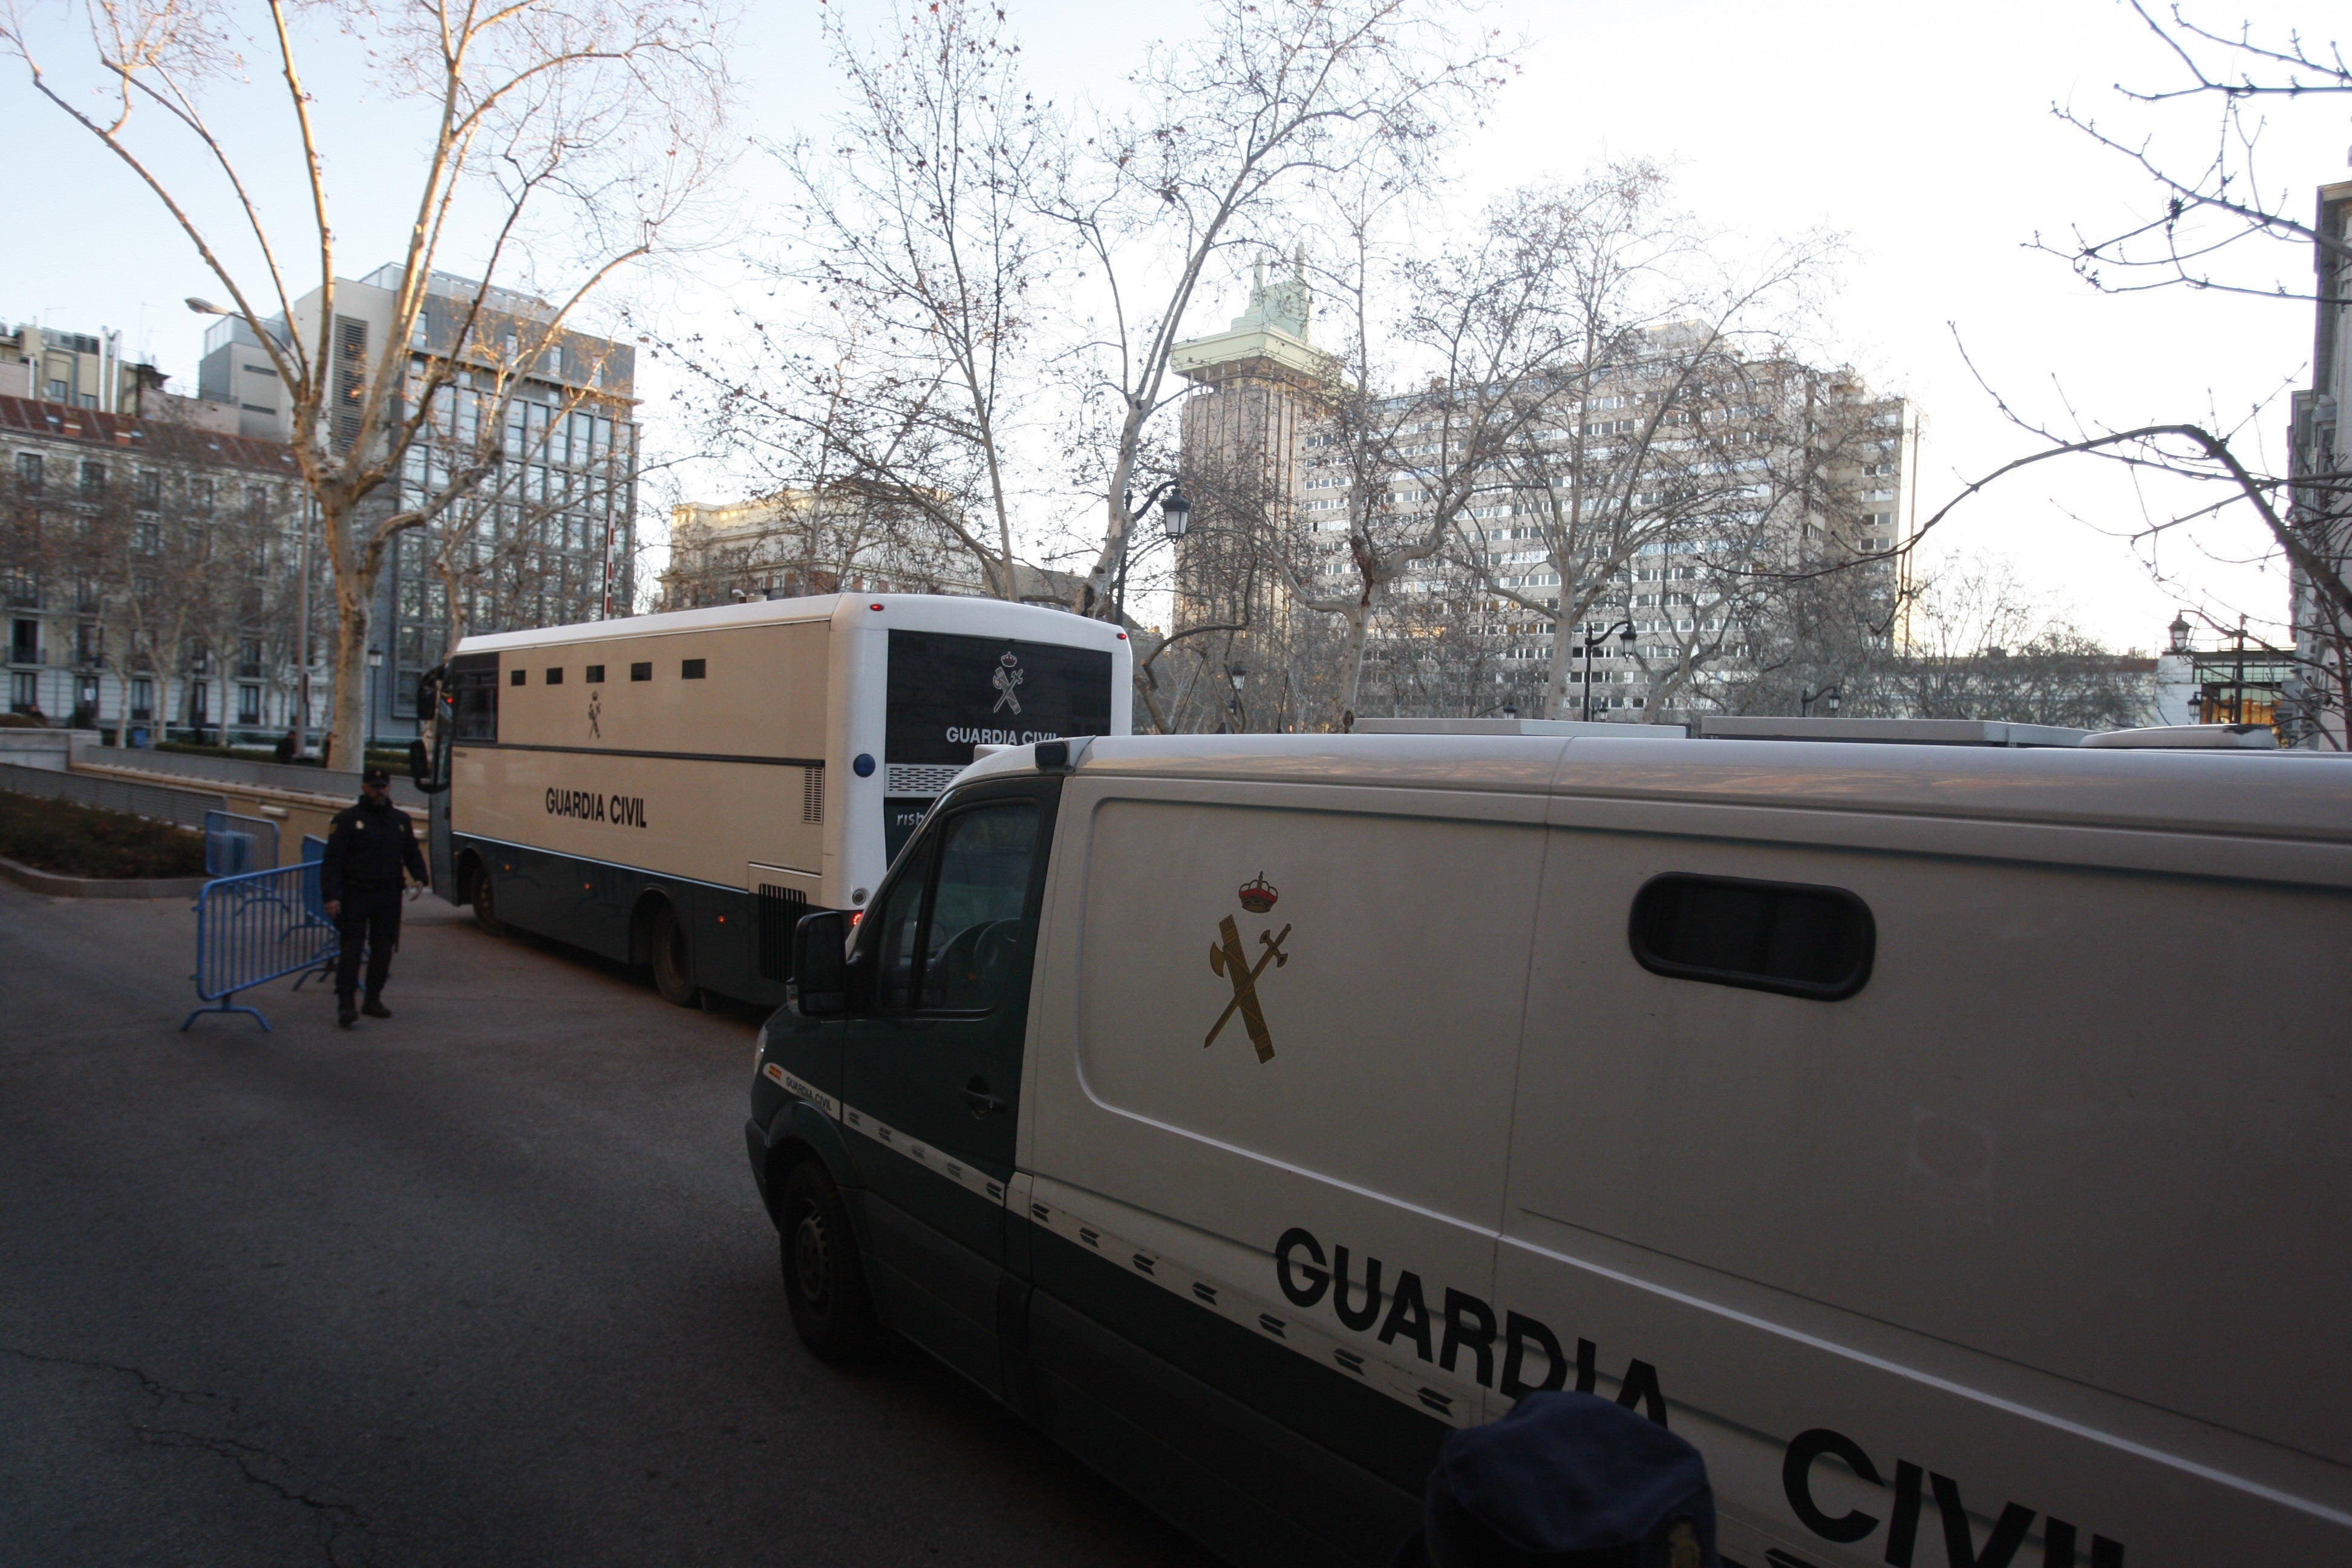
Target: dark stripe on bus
666 756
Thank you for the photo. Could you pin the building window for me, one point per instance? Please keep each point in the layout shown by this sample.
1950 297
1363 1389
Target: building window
641 672
593 675
142 697
200 702
248 705
517 678
690 669
86 643
555 675
149 490
23 642
29 470
24 692
93 478
57 390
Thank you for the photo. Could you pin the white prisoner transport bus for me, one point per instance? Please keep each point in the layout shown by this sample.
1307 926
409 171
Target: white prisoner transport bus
1954 1143
676 789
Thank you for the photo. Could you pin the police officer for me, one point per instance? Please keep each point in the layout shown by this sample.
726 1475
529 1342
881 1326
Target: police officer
1565 1481
369 847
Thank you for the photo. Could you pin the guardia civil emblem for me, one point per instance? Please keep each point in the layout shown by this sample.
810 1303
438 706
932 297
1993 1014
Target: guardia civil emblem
1229 960
1009 674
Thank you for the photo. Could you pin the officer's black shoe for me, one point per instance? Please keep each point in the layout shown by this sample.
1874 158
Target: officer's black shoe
345 1013
374 1008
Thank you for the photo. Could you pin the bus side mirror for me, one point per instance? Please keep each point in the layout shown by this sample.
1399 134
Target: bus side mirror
420 768
821 965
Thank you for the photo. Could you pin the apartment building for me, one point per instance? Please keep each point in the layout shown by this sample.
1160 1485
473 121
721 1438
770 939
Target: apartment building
795 543
150 568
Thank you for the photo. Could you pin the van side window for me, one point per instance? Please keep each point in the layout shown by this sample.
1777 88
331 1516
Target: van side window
1788 937
900 925
974 932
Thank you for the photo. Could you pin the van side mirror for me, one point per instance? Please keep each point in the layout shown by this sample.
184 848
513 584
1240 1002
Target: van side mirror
820 960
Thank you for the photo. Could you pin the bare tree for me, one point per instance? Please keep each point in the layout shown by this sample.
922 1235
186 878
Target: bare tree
913 224
2221 224
1235 136
584 124
1976 647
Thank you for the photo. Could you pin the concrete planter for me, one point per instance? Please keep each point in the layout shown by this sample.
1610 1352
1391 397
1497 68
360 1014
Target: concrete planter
59 886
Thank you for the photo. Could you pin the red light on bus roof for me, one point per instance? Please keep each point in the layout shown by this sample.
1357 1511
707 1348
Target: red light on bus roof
874 606
1122 636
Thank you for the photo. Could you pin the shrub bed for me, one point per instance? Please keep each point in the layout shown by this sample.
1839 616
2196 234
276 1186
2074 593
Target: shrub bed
69 840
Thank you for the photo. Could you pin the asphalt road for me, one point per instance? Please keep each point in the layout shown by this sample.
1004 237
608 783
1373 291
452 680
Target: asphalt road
488 1283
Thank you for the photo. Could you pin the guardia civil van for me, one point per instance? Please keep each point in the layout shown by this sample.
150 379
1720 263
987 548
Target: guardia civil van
1953 1142
676 790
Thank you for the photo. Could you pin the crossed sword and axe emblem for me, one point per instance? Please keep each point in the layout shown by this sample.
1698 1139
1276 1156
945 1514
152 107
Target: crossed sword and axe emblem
1228 959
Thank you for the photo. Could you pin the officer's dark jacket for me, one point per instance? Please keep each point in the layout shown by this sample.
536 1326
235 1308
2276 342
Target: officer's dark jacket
366 848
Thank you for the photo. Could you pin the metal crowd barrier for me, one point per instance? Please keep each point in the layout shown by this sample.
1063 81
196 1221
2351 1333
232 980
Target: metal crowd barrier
259 927
235 845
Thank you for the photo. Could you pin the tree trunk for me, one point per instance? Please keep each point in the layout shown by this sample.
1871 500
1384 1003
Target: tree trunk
354 606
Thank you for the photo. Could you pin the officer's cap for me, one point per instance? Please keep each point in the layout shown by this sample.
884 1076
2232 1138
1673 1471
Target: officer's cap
374 774
1567 1480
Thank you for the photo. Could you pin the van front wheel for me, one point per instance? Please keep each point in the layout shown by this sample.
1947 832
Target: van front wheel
673 959
825 1281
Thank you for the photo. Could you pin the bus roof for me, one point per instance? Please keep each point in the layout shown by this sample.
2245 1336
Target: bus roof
927 612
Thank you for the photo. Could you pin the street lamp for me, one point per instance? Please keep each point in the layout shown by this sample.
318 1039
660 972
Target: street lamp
2179 630
375 663
1175 512
1239 676
1834 693
1624 630
203 307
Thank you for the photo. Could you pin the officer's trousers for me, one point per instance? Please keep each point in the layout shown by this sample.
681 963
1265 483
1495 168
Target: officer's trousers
371 918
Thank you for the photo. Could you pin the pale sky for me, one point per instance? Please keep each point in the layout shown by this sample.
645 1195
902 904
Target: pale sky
1921 133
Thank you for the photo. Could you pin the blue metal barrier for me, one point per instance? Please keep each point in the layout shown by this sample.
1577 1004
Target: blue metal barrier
235 845
259 927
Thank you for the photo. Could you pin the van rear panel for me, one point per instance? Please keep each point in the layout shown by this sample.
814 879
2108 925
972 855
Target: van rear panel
2052 1207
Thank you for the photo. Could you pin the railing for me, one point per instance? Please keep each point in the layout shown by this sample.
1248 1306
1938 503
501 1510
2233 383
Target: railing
186 807
235 845
259 927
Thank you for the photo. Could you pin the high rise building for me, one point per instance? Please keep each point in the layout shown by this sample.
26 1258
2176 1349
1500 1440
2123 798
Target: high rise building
549 537
2319 688
1756 473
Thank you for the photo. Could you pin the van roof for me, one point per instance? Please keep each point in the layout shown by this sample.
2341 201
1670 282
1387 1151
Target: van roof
2264 795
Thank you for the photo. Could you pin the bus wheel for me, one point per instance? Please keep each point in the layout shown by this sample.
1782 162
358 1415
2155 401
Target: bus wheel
673 959
484 901
824 1281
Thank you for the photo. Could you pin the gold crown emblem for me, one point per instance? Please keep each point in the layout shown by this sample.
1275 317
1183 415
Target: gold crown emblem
1259 895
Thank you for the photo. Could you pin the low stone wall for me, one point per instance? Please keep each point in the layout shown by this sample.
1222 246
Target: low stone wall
49 750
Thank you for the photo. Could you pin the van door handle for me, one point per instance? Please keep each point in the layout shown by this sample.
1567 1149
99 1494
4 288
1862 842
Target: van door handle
982 1103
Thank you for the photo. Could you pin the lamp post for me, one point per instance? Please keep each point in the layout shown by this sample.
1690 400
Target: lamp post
375 662
1239 676
1834 693
1624 634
